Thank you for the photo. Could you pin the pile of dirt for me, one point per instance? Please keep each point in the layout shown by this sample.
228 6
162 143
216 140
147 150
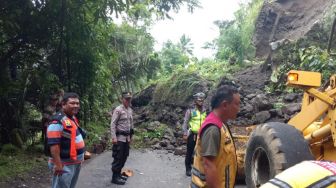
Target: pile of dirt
287 19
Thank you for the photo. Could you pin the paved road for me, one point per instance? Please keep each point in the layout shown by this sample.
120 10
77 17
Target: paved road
152 169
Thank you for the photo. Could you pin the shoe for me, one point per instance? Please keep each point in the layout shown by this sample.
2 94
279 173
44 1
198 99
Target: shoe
188 173
123 177
118 181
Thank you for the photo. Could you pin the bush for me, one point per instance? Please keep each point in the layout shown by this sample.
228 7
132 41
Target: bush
9 150
38 148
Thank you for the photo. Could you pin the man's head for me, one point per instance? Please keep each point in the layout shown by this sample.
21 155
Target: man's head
126 99
199 99
226 102
70 104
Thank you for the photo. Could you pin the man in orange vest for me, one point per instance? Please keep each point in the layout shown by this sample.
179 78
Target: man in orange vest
65 139
215 163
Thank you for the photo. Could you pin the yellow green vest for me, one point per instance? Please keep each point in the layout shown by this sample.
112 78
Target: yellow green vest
226 163
196 120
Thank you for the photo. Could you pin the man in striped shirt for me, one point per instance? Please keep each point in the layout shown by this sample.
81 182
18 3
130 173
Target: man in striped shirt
65 139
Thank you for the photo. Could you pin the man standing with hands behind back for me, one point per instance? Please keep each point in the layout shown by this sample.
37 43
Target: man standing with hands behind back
121 132
193 120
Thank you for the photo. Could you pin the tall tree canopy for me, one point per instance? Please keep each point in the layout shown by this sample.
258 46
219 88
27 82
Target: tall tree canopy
75 45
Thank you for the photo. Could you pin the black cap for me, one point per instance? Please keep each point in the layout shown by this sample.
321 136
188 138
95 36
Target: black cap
126 95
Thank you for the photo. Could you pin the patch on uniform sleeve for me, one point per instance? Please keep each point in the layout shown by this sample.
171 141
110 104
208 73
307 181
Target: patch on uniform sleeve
67 123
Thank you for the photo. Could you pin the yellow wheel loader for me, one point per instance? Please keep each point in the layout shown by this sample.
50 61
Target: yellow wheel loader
309 135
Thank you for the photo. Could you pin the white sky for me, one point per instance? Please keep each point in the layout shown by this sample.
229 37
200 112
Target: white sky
198 25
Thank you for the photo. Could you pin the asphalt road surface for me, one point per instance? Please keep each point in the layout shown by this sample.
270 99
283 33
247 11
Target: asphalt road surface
152 169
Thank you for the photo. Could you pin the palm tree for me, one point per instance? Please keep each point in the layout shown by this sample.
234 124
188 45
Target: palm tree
186 45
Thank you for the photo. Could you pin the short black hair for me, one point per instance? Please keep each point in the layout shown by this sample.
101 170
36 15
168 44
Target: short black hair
225 92
68 95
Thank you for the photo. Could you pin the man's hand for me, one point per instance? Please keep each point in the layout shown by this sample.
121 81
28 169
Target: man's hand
114 141
211 173
58 169
185 137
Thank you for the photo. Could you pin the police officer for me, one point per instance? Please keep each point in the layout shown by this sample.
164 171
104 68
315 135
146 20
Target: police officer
121 131
215 163
193 120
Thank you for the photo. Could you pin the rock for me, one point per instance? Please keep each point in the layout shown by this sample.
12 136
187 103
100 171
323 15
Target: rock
261 103
144 97
154 141
262 117
179 151
169 132
273 112
163 143
152 126
251 96
248 108
170 147
98 148
290 97
156 146
291 109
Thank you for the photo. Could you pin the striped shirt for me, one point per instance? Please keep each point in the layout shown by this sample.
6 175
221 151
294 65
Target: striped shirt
54 134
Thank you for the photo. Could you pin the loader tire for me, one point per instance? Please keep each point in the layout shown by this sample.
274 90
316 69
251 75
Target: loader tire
272 148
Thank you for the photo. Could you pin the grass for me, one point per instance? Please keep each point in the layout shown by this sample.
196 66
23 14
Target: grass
20 163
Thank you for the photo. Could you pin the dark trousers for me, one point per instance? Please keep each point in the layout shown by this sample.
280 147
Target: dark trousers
120 152
191 142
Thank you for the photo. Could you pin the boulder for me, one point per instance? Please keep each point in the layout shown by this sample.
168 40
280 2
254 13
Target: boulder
144 97
179 151
290 97
262 117
156 147
261 103
291 109
170 147
163 143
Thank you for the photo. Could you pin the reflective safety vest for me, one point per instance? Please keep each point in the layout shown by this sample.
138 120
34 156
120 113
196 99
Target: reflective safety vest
226 160
196 119
68 139
311 174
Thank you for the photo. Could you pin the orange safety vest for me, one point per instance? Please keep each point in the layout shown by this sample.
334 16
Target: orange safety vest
68 144
226 160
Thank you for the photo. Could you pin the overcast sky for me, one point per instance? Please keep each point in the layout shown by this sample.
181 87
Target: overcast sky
198 25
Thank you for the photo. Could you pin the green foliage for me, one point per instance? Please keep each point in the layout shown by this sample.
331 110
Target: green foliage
173 55
94 132
235 40
307 59
317 60
142 134
48 45
179 87
9 150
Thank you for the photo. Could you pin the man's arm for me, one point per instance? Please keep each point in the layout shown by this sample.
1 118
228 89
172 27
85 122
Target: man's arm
210 143
54 134
186 122
211 173
55 151
114 120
